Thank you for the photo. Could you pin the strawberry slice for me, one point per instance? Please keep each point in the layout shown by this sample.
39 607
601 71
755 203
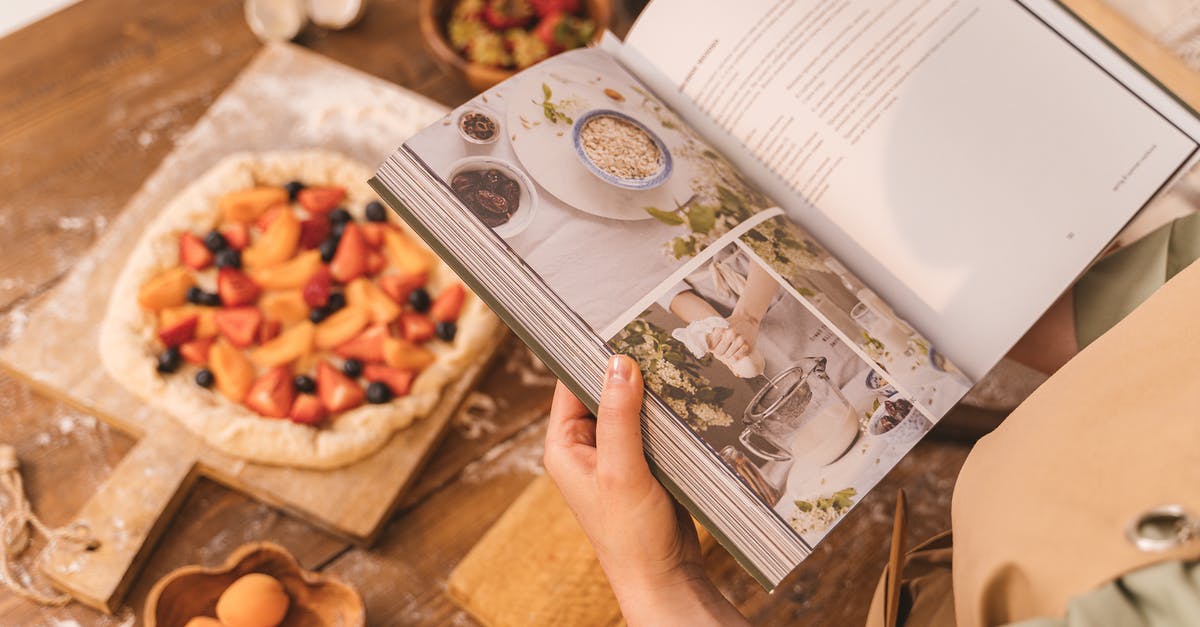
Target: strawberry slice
268 330
239 324
367 347
399 286
196 351
193 253
400 381
448 304
313 231
272 394
307 410
337 391
316 291
236 288
237 235
350 260
416 328
180 332
320 199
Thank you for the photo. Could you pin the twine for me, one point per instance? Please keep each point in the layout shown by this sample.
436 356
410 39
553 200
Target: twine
18 527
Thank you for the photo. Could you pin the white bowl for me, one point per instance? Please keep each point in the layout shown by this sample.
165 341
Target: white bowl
526 205
911 428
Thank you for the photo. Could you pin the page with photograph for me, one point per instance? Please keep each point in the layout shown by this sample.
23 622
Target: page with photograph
960 156
787 403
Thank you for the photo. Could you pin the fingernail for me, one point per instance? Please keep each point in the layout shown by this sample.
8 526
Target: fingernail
620 369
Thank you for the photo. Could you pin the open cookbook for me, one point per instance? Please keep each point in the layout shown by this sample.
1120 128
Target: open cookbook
814 224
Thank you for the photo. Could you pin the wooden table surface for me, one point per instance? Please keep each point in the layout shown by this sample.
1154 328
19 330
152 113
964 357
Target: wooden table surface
91 100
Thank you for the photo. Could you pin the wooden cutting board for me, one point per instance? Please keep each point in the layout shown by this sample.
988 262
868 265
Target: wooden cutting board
286 98
534 568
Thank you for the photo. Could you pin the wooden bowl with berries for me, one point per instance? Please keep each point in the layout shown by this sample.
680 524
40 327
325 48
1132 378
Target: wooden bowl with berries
487 41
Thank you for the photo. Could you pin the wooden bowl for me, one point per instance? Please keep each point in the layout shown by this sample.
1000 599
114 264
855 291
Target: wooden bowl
316 600
435 13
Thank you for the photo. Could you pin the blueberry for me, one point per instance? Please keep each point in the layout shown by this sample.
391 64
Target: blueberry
353 368
215 242
375 212
378 393
419 299
204 378
337 300
340 216
293 188
328 249
229 258
304 384
211 299
317 314
446 330
168 361
336 229
195 295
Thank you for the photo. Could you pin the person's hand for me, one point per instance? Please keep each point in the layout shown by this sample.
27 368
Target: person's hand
645 541
727 345
746 328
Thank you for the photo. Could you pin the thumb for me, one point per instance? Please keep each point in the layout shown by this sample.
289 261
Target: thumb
619 456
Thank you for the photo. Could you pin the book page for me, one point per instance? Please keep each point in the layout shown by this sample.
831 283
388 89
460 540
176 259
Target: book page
768 350
958 155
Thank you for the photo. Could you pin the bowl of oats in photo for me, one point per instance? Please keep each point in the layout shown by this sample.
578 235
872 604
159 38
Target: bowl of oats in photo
620 150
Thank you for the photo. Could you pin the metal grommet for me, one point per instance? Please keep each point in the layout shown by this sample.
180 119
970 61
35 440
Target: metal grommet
1160 529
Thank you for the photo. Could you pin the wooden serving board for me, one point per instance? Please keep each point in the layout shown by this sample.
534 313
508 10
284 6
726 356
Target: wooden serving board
286 98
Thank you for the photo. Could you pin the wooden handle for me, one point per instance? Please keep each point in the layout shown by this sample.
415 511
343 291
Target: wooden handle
126 516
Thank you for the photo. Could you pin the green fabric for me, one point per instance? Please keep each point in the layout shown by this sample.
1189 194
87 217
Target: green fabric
1163 595
1117 284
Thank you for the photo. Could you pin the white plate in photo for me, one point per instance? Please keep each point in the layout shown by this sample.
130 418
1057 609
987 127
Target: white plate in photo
547 152
526 206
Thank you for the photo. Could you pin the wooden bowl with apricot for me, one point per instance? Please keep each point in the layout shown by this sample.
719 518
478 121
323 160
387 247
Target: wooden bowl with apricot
260 585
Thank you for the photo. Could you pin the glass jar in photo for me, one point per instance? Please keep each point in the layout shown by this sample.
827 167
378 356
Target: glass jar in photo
801 416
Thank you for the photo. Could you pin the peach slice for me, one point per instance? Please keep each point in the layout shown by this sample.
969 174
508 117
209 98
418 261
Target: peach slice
246 205
277 244
404 254
405 355
233 372
289 346
289 274
168 288
206 325
363 293
341 327
287 307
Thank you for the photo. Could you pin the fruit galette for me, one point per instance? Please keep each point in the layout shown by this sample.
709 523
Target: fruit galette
279 311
